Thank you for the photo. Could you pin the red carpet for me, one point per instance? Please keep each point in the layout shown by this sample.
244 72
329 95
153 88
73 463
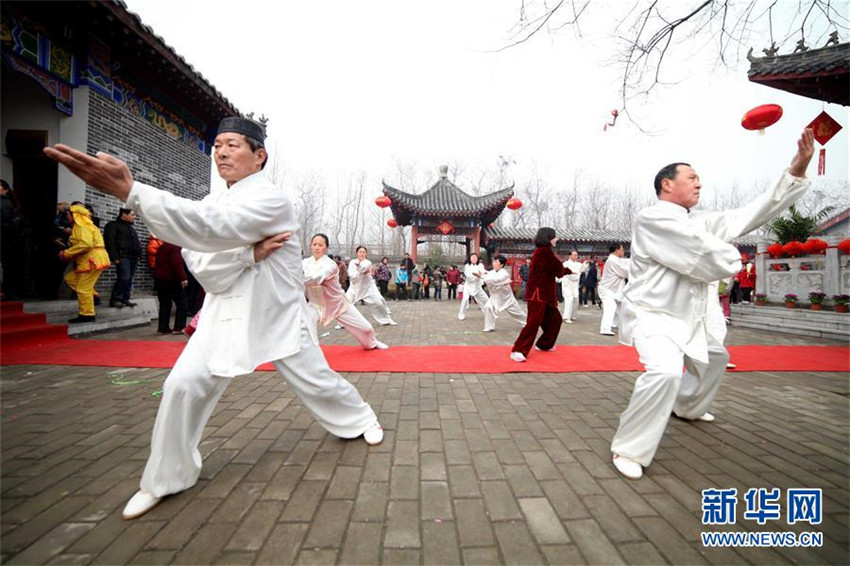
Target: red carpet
422 359
19 329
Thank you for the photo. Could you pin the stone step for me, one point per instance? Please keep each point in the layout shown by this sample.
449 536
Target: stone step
801 321
58 312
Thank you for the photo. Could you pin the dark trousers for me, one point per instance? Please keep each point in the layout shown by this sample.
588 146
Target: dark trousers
745 293
125 269
382 286
540 315
168 292
426 291
438 292
582 295
590 295
400 292
452 291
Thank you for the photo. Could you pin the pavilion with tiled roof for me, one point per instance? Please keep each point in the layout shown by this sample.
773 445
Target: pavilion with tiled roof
446 210
822 74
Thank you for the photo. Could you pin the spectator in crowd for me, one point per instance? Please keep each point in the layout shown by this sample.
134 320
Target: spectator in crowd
170 282
747 278
343 272
427 276
452 281
11 243
523 275
401 280
383 275
89 255
439 277
125 249
416 283
591 280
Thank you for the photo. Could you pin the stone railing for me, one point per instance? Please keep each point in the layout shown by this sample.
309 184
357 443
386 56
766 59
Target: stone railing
829 272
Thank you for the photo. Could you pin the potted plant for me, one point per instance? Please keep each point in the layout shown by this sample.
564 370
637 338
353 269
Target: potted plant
816 299
761 299
841 302
791 300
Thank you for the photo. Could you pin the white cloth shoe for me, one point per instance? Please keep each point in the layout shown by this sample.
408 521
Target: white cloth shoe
379 346
567 321
628 467
609 333
517 357
461 317
705 418
338 327
489 329
552 349
730 365
375 435
139 504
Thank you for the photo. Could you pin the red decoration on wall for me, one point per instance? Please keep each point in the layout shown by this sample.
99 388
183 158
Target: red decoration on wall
761 117
775 250
815 246
392 223
514 203
844 246
445 227
823 127
383 201
793 249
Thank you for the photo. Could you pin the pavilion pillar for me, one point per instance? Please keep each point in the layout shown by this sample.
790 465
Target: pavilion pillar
414 241
476 240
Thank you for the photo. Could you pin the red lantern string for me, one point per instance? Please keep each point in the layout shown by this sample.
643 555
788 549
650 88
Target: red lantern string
775 250
815 246
844 246
793 249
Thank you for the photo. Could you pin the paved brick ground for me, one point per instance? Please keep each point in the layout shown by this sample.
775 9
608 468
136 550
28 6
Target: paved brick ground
474 469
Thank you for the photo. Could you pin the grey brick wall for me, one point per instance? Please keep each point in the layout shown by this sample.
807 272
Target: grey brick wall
154 158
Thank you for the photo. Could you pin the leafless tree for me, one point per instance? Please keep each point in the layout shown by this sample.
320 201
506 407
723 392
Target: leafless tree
309 200
649 32
350 207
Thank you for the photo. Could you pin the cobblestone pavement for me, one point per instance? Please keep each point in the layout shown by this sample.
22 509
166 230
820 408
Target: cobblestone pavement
474 468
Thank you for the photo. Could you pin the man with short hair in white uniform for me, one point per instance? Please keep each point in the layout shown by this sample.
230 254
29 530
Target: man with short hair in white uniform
611 285
237 243
569 286
670 311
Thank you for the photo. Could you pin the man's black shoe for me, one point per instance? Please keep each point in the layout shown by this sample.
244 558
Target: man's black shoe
129 304
81 318
116 304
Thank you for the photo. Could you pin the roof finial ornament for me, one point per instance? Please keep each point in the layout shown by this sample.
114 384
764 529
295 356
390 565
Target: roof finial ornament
750 56
833 39
444 171
263 119
801 46
772 51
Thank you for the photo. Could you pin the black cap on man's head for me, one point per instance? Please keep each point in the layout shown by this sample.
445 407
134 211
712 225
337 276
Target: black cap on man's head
243 126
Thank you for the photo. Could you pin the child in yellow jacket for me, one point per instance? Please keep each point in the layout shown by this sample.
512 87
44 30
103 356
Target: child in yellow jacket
90 257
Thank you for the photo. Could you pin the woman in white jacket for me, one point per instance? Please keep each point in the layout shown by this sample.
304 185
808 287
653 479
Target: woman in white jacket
321 284
363 288
473 273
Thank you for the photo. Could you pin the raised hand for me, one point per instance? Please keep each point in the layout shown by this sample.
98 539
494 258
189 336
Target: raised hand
805 150
104 172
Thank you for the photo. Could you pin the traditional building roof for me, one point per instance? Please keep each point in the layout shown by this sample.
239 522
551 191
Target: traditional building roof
571 234
445 200
822 74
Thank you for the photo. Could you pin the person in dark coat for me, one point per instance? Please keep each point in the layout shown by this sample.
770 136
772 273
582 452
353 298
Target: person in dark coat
124 249
542 297
170 282
591 280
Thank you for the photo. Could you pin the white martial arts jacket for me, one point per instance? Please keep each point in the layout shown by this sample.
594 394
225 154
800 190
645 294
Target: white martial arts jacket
675 255
361 284
613 277
572 279
499 284
253 312
321 284
472 284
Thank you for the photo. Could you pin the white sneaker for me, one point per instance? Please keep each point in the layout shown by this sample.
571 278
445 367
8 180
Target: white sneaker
393 323
730 365
517 357
609 333
706 418
375 435
628 467
461 317
489 329
552 349
379 346
338 327
567 321
139 504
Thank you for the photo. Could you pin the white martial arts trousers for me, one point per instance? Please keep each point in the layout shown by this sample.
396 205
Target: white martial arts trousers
570 291
665 389
356 325
379 306
480 297
490 315
190 394
610 312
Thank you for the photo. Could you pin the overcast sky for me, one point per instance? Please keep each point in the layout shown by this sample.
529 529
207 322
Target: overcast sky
356 85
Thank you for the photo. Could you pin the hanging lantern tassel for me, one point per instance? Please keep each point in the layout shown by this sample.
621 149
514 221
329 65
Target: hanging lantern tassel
823 127
822 161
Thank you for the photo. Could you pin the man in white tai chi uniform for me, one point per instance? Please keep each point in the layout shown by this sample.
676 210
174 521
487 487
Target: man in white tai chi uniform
675 258
236 243
569 286
502 298
611 285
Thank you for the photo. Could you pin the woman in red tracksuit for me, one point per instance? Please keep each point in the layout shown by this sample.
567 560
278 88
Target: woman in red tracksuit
541 295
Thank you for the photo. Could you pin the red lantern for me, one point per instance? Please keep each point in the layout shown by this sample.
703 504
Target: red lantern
383 201
392 223
762 117
775 250
514 203
815 246
844 246
793 249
